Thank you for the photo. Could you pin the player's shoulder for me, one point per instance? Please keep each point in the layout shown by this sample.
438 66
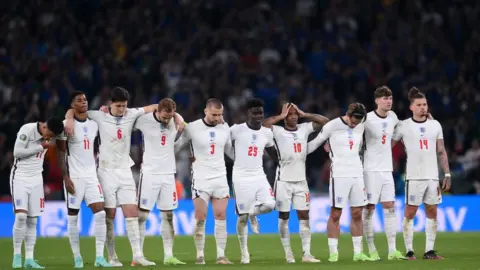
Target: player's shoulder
28 128
434 123
148 117
266 131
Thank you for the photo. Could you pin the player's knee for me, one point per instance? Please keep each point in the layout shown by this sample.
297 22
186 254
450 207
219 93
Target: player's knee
243 219
21 218
431 211
335 214
303 215
356 213
388 205
219 215
370 207
97 207
167 215
130 211
73 212
143 215
410 211
284 215
110 212
368 212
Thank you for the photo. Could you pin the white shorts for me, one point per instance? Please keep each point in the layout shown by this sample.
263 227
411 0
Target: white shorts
289 194
423 191
159 188
349 190
28 196
251 192
215 188
87 189
118 187
380 187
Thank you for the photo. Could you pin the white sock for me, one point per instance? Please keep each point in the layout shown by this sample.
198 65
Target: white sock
389 220
333 245
408 233
368 229
133 234
221 237
142 221
73 238
262 209
30 237
19 228
306 236
167 232
284 235
111 239
431 234
199 236
357 244
242 232
100 232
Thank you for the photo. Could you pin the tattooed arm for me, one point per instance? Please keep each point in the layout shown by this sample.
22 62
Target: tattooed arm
61 151
443 158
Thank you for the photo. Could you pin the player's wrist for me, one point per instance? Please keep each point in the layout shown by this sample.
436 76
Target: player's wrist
448 175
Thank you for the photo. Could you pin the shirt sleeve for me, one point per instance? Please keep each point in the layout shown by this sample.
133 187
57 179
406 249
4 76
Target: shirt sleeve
139 124
95 115
22 147
136 112
440 132
397 133
320 139
308 127
270 142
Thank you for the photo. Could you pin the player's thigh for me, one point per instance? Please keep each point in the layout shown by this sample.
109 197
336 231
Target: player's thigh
168 197
433 194
283 192
301 196
93 191
36 202
245 193
388 188
20 192
148 190
415 192
110 186
357 196
75 200
264 192
373 186
127 190
339 190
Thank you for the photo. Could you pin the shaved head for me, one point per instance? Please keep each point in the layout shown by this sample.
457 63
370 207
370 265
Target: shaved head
214 103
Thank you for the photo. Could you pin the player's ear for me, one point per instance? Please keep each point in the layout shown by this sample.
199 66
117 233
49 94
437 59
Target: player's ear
205 111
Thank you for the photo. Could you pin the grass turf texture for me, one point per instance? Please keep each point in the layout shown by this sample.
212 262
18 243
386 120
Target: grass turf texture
461 251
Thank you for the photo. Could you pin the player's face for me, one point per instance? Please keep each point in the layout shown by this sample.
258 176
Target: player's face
47 134
353 121
214 115
255 115
292 117
419 107
384 103
80 104
165 116
118 108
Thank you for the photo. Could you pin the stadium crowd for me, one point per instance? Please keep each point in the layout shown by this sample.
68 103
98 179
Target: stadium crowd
321 55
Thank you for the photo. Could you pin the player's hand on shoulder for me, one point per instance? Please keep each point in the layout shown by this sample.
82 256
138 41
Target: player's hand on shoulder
46 143
192 159
69 185
103 109
326 147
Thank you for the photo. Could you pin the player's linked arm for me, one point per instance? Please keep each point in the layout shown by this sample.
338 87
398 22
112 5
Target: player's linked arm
272 153
319 140
61 150
318 121
23 149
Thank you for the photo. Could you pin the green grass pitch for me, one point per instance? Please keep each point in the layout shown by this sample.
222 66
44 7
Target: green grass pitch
461 251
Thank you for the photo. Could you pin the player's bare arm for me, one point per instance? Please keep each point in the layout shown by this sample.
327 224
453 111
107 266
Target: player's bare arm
269 122
61 150
69 122
318 120
443 158
272 153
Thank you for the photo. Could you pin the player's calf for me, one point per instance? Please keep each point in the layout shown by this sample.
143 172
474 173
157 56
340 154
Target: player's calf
283 218
112 255
73 237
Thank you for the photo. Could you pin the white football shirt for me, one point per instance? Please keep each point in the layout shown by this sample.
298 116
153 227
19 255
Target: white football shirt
249 146
379 130
28 153
80 156
345 144
159 141
115 137
292 151
208 145
420 140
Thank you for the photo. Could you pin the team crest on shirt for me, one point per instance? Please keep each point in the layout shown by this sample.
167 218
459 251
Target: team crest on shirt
422 131
85 130
295 136
384 125
118 119
212 135
350 133
254 138
18 202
